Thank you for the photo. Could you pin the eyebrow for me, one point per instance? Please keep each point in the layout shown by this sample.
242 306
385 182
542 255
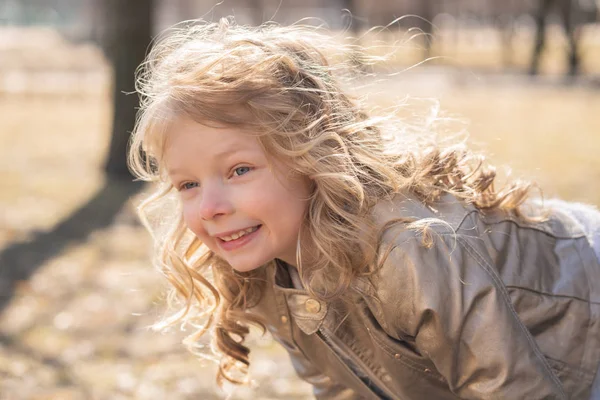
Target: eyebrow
226 152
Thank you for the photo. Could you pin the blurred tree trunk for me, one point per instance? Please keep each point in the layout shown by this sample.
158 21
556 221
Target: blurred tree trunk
355 24
425 24
256 11
129 33
355 20
570 13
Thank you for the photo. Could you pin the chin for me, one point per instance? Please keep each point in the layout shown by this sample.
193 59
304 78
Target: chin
245 266
247 262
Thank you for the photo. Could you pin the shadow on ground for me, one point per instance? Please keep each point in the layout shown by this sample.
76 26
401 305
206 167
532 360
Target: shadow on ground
20 260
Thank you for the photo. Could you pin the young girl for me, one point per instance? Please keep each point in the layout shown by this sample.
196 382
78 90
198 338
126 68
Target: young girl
387 265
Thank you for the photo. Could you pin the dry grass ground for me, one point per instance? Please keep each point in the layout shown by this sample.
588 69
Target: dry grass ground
77 328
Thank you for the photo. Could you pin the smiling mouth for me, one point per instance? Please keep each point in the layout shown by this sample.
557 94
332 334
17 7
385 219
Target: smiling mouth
239 234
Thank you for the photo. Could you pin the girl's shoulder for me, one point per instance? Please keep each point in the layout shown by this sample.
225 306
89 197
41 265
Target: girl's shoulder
452 250
404 216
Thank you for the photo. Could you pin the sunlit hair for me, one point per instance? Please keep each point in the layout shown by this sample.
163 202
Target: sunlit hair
284 84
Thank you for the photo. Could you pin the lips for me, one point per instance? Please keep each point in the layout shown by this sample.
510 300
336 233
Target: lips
235 240
239 234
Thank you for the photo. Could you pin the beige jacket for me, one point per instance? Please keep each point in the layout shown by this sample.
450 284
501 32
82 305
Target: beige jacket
497 308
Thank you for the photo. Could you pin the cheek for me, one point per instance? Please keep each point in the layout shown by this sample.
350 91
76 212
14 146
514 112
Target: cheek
192 220
291 208
289 199
297 214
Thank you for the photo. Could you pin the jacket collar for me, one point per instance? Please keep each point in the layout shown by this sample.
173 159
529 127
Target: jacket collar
307 312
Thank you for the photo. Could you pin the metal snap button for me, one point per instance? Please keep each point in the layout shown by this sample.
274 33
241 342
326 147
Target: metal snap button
312 306
397 356
284 319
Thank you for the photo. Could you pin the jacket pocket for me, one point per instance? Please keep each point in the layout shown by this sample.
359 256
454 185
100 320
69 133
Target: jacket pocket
575 381
403 352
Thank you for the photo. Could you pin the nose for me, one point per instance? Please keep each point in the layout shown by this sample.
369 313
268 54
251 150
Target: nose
213 202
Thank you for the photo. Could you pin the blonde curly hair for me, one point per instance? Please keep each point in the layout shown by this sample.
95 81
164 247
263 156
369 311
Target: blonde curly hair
284 84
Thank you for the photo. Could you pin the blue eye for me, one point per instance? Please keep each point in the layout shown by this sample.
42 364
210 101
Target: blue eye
241 171
188 185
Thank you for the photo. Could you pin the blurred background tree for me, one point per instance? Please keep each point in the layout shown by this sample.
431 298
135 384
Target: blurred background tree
129 33
572 14
77 291
124 30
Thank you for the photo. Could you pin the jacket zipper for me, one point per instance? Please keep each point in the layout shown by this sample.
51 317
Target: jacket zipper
331 339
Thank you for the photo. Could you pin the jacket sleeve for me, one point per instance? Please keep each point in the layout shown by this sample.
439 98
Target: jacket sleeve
324 388
450 300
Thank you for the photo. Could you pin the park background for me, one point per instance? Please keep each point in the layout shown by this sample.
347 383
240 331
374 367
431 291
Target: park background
77 290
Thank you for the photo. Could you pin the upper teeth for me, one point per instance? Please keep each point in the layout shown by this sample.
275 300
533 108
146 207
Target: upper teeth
238 234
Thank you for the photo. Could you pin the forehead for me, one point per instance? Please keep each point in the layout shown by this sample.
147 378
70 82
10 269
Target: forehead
187 140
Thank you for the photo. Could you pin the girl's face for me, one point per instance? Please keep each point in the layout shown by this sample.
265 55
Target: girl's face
244 208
